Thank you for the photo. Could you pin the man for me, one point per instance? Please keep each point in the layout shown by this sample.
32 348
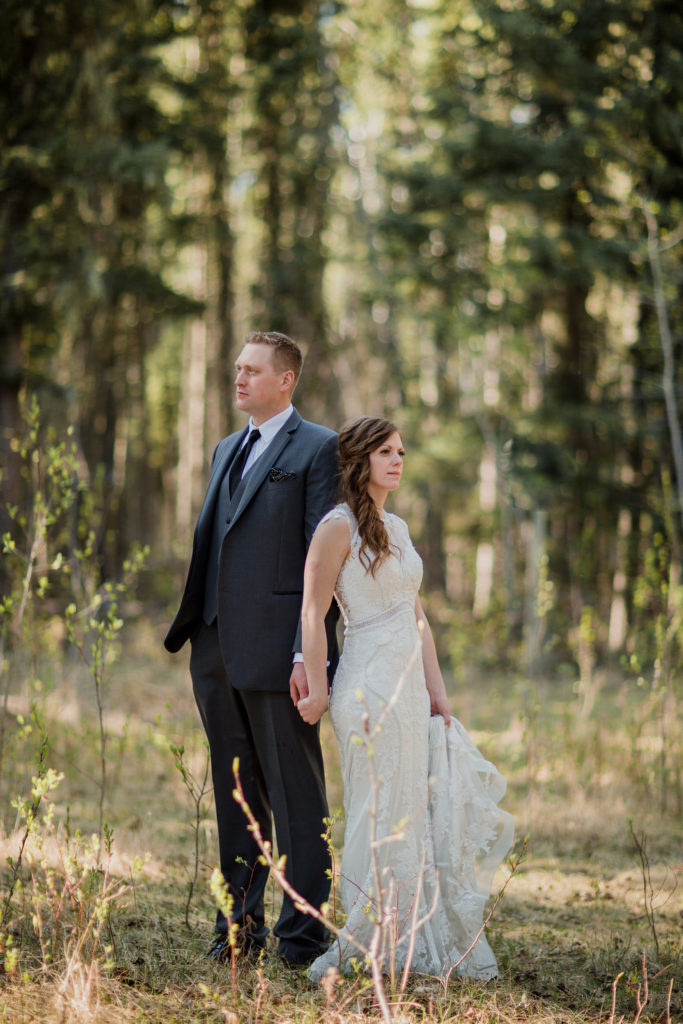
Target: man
270 485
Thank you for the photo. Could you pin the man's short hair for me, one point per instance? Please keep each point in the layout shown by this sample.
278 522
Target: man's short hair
286 353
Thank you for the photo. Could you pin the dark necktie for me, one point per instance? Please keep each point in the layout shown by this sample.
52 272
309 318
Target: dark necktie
239 460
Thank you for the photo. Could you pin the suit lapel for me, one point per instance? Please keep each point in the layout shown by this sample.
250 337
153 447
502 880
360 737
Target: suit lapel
224 460
262 466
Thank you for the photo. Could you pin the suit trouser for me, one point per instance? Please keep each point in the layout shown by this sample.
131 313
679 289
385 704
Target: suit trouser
281 769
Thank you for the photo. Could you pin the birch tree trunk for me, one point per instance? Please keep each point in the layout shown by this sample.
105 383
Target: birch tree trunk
666 342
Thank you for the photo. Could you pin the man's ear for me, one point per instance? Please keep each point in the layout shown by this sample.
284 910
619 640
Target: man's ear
288 380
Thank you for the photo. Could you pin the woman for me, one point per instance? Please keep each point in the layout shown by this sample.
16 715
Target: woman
423 832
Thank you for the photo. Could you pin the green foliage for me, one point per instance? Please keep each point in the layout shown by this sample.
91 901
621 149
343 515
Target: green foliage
52 565
57 889
63 904
446 205
457 208
38 567
84 162
656 653
54 587
86 225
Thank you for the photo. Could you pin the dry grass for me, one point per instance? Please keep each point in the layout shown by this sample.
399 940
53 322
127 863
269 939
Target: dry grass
572 919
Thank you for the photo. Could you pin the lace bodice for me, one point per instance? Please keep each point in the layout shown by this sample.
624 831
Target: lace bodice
367 600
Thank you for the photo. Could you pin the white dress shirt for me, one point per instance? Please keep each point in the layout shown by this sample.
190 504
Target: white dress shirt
268 429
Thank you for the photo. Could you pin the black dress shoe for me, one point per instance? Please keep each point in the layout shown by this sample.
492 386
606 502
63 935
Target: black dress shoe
296 964
303 959
220 950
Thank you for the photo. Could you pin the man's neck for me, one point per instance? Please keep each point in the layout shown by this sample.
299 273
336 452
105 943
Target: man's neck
264 420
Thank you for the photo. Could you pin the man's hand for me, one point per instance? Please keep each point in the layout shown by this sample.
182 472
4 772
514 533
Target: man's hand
298 683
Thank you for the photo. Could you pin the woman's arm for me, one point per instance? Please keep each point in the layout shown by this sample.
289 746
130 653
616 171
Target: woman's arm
435 684
329 547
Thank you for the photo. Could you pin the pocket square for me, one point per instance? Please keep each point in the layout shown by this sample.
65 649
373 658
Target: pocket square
277 474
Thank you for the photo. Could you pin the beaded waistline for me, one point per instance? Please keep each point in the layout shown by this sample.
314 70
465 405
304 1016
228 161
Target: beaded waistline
377 620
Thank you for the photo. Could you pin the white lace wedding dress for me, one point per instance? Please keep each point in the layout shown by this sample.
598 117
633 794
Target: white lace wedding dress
423 830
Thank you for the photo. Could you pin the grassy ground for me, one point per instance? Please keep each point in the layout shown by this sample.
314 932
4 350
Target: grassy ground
579 912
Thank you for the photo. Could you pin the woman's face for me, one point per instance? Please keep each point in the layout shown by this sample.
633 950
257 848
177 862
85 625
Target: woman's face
386 464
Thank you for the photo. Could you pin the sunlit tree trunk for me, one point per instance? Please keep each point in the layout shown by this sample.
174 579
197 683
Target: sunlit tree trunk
669 368
219 33
537 597
192 441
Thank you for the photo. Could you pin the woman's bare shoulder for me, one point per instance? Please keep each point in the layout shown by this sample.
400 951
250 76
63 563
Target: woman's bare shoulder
337 526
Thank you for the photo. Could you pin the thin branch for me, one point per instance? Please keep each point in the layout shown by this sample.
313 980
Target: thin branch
669 371
513 869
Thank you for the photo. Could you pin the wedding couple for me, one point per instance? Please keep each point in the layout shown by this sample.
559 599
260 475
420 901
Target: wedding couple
264 651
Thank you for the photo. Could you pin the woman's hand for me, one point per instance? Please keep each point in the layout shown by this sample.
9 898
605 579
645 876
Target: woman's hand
438 701
312 708
329 547
439 706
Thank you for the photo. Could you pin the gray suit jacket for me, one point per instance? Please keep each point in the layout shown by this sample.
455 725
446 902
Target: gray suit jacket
260 579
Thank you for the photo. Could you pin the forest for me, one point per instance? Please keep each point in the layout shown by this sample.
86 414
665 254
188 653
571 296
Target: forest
470 216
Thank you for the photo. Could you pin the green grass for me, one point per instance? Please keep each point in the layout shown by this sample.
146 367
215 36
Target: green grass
572 920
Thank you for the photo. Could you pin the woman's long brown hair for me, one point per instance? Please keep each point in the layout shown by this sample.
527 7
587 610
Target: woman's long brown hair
357 440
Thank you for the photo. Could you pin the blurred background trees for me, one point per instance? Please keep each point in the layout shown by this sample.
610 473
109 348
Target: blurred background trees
469 215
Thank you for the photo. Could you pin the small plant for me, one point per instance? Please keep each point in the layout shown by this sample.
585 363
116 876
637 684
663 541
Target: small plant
224 899
640 842
58 889
28 810
197 789
34 552
638 983
656 655
48 568
93 630
585 657
66 889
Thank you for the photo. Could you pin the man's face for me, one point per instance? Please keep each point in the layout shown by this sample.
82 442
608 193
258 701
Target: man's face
260 389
